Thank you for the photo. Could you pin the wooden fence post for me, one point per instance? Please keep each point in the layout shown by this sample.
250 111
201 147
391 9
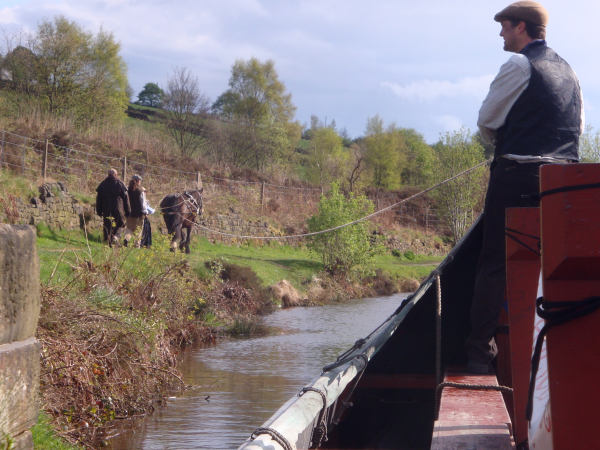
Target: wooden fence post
2 147
67 160
262 197
198 181
45 161
23 154
124 169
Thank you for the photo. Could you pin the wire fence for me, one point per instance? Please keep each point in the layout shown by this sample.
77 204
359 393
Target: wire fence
290 205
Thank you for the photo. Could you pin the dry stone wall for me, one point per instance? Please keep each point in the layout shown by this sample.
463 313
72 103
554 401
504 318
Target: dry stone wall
55 207
19 349
59 210
232 223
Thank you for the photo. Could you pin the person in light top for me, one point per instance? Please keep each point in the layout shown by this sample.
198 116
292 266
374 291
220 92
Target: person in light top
533 115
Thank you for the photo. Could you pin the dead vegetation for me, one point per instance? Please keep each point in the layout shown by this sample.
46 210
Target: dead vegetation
111 335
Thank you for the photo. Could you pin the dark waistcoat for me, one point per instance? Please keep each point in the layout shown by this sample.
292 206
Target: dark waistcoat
545 119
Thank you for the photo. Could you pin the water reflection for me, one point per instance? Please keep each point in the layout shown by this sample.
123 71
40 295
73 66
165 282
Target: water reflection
239 383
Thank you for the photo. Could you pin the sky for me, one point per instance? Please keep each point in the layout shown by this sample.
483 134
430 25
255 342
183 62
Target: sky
423 64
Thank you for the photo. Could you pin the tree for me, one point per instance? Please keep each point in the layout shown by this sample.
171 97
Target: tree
80 74
20 67
186 109
325 156
257 101
151 95
589 145
356 165
420 159
70 72
104 93
346 249
384 157
458 151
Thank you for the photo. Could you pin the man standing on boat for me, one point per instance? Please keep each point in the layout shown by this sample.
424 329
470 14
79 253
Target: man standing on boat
533 114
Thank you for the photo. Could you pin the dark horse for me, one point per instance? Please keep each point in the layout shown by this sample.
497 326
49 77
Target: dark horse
179 212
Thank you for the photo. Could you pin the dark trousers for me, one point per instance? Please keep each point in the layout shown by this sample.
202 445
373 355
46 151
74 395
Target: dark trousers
511 184
146 240
111 229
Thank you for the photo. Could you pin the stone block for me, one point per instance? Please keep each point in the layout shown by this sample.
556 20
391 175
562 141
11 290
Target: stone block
19 283
19 389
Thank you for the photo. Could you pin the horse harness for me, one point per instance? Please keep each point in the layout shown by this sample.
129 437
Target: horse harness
189 198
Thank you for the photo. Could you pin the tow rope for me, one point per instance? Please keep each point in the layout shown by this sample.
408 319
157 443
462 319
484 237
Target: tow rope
555 313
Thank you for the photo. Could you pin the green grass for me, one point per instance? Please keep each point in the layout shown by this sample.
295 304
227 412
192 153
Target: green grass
398 268
275 262
44 437
59 251
272 262
17 185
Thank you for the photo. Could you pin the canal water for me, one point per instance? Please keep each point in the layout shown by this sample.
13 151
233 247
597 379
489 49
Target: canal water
239 383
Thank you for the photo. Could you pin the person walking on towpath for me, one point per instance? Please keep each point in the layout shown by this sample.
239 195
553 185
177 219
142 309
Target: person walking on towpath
533 114
112 203
135 219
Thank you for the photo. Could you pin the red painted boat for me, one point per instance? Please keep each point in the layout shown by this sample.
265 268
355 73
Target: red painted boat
403 386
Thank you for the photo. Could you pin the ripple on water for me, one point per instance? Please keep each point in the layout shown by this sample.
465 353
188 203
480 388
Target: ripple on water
240 383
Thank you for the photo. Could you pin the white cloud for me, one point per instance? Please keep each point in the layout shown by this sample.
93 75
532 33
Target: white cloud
449 122
429 90
7 15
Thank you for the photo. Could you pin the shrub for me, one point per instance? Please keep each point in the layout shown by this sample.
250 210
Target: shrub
346 249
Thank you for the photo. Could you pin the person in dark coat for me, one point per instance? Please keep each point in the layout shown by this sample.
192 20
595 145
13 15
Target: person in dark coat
135 220
112 204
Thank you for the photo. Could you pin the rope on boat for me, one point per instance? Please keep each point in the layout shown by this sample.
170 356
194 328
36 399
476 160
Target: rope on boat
555 313
577 187
343 358
438 357
319 434
275 435
510 233
438 340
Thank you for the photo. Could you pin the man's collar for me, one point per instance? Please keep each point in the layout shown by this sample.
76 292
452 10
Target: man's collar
535 42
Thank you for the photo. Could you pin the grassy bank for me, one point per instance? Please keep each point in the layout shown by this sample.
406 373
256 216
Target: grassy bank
114 320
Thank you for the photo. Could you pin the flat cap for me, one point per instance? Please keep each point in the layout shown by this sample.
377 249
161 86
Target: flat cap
527 10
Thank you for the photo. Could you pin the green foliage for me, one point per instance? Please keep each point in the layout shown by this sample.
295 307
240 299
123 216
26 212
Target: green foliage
384 155
346 249
44 436
17 185
151 95
409 255
589 145
420 159
262 110
326 156
68 72
256 94
457 199
6 442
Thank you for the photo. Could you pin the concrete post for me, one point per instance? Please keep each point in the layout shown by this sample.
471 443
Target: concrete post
19 349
